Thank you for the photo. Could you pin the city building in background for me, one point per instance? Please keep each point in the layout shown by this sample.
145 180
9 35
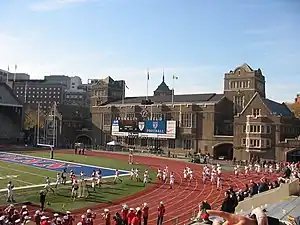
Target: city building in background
240 122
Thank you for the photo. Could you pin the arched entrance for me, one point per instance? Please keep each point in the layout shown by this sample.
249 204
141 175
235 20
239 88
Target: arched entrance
293 155
223 151
84 139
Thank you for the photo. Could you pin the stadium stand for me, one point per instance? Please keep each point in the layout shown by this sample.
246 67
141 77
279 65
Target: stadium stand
10 116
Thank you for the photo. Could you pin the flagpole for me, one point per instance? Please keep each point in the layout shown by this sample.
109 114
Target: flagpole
38 124
25 92
173 91
147 84
54 126
15 74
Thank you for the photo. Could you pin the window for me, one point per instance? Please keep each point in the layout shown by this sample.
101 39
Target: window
268 129
157 116
256 112
255 143
268 143
239 103
187 144
243 142
255 129
244 128
171 143
186 120
107 119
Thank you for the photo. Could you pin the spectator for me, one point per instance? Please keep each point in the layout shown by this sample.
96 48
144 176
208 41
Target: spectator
161 212
205 205
42 199
253 188
145 211
227 205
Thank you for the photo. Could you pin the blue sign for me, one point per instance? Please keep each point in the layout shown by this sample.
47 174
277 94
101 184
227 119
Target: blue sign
115 123
155 126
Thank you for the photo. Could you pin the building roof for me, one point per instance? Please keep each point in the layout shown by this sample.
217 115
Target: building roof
7 97
276 108
163 87
187 98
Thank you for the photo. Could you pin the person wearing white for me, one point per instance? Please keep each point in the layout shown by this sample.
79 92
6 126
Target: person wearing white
132 174
158 176
99 177
271 169
48 185
213 176
203 177
146 177
191 175
117 176
137 174
172 180
93 179
185 173
167 171
57 181
250 167
246 171
10 193
164 176
75 188
236 171
219 183
258 169
266 168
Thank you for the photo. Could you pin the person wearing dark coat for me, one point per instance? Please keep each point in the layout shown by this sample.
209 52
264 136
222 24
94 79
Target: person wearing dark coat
227 205
253 189
205 205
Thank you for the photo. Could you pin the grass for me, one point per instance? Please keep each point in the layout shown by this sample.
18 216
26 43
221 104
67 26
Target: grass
60 200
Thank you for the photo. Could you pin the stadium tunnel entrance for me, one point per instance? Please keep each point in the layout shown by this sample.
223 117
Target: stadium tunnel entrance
293 155
84 139
223 151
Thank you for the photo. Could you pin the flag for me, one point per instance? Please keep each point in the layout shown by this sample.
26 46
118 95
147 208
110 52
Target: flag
16 67
8 68
175 77
148 76
126 86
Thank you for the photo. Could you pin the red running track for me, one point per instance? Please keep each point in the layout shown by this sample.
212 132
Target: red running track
180 202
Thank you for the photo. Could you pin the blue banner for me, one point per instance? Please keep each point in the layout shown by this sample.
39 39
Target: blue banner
115 122
155 126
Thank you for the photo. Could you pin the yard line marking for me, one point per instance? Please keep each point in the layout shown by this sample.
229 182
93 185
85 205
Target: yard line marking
21 171
61 161
43 185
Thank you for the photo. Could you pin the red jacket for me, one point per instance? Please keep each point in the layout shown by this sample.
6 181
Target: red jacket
135 221
130 216
161 210
124 214
145 211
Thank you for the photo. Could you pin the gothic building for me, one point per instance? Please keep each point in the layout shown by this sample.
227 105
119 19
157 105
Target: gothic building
240 122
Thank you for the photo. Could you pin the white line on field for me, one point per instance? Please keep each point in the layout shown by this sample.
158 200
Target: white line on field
43 185
61 161
21 171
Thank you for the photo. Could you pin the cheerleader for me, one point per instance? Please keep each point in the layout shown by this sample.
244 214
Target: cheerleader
146 177
277 167
57 182
185 173
164 176
172 180
131 174
167 171
246 171
258 169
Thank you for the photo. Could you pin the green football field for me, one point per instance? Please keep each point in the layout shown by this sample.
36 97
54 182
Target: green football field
23 175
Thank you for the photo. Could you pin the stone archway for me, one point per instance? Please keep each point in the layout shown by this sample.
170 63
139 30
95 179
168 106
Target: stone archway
293 155
84 139
223 151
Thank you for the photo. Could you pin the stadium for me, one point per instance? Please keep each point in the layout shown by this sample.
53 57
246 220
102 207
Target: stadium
82 184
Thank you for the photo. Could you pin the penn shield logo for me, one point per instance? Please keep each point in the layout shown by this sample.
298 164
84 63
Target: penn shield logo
155 124
141 126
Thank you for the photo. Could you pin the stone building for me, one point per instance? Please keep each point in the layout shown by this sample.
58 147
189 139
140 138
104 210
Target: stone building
240 122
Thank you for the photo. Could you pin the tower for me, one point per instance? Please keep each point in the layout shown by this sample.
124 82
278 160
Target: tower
241 84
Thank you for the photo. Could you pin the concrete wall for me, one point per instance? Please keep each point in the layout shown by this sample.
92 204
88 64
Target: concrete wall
270 197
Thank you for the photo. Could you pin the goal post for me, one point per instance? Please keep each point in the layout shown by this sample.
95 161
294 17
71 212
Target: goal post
49 146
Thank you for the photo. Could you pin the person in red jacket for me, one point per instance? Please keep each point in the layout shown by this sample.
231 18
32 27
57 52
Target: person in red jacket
44 220
145 213
124 214
106 216
90 216
83 220
137 218
130 216
160 213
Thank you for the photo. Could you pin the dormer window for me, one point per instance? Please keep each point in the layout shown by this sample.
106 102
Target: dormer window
256 112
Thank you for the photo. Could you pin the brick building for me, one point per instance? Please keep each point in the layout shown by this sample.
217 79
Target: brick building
241 122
